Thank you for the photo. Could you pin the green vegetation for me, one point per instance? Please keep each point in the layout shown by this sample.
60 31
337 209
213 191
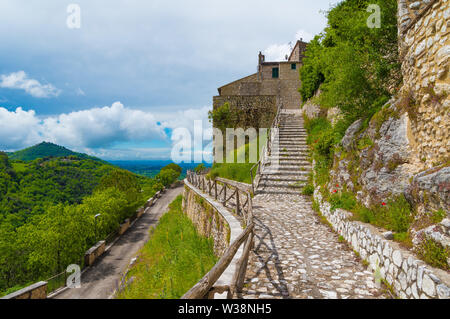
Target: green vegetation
434 253
200 168
46 150
175 258
169 174
353 64
344 200
239 172
438 216
222 117
47 209
308 190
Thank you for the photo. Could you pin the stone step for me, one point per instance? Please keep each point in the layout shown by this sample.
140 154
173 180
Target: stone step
292 134
282 184
285 178
291 162
288 158
291 141
277 190
291 145
283 174
291 137
292 128
288 148
287 153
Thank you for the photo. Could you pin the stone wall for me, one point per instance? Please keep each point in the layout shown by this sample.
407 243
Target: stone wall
409 277
424 44
245 86
207 220
35 291
94 252
256 111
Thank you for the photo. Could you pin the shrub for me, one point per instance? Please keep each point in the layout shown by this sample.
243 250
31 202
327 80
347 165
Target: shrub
433 253
344 200
308 190
200 168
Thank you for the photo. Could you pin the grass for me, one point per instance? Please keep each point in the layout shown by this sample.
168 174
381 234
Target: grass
174 259
344 200
433 253
239 172
308 190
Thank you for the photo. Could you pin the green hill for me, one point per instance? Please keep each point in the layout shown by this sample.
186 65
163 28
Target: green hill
45 150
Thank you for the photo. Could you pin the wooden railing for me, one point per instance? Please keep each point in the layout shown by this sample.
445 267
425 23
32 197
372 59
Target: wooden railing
267 149
237 197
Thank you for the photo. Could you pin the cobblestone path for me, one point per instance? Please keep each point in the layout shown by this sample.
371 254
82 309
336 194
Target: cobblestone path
295 254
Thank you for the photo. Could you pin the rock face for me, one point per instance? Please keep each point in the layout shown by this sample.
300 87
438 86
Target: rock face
376 163
439 233
430 190
347 140
312 110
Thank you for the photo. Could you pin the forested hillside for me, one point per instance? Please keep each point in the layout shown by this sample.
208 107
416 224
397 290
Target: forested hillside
44 150
47 209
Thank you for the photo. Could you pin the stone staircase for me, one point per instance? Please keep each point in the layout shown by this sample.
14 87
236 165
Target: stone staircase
287 167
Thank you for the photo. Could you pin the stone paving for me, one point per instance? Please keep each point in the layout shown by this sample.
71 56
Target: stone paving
295 254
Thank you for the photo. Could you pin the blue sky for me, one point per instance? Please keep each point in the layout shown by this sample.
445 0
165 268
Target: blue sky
135 70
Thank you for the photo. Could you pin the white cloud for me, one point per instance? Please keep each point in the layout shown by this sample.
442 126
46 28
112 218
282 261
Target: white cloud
102 132
20 80
278 52
304 35
100 127
18 128
93 128
185 118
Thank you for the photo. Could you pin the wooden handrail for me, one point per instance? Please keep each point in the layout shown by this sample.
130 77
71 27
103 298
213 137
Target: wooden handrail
266 147
205 287
201 289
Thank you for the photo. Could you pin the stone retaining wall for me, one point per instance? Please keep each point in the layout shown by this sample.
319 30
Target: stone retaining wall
424 46
35 291
409 277
124 227
196 204
94 252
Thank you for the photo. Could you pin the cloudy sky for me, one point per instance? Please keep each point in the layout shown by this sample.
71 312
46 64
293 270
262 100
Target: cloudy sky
135 70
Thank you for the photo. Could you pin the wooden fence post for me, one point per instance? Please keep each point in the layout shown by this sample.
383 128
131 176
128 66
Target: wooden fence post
215 189
237 202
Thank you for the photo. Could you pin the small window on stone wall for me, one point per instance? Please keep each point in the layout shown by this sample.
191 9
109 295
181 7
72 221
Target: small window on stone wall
293 66
275 72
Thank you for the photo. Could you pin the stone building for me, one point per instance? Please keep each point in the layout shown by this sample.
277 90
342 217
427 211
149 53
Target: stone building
273 83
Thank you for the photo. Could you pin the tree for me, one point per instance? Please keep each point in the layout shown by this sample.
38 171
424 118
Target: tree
173 166
167 176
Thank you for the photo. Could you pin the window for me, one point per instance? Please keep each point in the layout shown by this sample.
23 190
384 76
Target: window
293 66
275 72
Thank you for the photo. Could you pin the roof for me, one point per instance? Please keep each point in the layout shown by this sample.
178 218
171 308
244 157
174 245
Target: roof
299 43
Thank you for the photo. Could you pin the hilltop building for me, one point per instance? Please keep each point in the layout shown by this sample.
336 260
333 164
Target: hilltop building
274 83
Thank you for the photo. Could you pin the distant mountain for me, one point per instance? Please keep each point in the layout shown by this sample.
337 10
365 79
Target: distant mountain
44 150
